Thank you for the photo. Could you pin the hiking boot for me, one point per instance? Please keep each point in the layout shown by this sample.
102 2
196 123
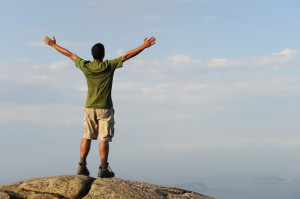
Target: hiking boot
82 169
105 172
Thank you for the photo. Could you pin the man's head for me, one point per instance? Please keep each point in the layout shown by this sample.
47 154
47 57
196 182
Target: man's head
98 51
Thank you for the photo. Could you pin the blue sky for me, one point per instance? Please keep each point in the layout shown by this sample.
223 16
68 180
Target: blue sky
217 95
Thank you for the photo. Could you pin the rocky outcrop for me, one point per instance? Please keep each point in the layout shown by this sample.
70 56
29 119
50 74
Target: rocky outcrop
77 186
68 186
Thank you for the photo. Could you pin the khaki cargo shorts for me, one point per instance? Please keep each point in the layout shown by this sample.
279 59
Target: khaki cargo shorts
99 122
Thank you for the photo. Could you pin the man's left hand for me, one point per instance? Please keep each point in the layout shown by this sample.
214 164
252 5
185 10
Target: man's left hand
49 41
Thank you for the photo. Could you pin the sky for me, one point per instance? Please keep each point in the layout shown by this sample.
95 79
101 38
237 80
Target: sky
217 95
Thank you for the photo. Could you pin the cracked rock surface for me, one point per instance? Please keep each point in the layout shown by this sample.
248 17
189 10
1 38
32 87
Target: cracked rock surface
78 186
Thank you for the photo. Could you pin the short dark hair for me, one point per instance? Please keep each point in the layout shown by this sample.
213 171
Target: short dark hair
98 51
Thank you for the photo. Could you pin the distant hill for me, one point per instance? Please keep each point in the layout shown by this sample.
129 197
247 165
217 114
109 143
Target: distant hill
272 179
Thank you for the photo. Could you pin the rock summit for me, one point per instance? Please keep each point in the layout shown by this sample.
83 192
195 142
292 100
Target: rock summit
78 186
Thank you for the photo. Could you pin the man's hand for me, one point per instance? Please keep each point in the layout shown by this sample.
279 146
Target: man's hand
149 42
49 41
52 43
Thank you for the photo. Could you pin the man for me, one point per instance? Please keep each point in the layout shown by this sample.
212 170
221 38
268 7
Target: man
99 112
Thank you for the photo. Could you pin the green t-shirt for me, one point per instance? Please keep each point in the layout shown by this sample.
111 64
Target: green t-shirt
99 78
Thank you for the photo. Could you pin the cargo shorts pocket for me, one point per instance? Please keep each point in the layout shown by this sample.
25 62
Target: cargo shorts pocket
90 125
107 126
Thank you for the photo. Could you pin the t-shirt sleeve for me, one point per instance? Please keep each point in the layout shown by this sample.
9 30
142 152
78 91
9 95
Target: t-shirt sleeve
79 63
116 63
82 65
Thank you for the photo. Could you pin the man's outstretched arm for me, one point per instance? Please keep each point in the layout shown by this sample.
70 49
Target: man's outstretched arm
52 43
147 43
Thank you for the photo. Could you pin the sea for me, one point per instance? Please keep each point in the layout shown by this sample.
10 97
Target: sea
267 187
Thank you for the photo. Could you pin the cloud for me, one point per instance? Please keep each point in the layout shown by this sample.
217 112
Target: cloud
39 114
60 65
82 88
286 53
24 74
276 58
184 79
125 86
37 78
222 63
179 78
22 71
183 61
157 92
